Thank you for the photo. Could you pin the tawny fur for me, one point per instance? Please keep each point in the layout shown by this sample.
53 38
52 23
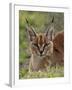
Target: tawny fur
47 49
55 55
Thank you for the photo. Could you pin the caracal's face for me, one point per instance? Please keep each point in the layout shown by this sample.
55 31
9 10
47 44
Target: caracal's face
41 45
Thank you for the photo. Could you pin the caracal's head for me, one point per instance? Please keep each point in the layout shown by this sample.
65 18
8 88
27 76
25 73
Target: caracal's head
41 44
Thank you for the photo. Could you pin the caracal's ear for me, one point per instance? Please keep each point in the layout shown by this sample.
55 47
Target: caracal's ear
50 30
30 30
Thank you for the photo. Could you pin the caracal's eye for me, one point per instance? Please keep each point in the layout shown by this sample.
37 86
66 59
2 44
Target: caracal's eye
47 44
35 45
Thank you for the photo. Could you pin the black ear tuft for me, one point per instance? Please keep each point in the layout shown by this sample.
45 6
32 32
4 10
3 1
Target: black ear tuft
53 19
50 30
27 21
30 30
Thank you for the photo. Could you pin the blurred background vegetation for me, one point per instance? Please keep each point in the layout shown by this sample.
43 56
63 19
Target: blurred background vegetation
39 20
